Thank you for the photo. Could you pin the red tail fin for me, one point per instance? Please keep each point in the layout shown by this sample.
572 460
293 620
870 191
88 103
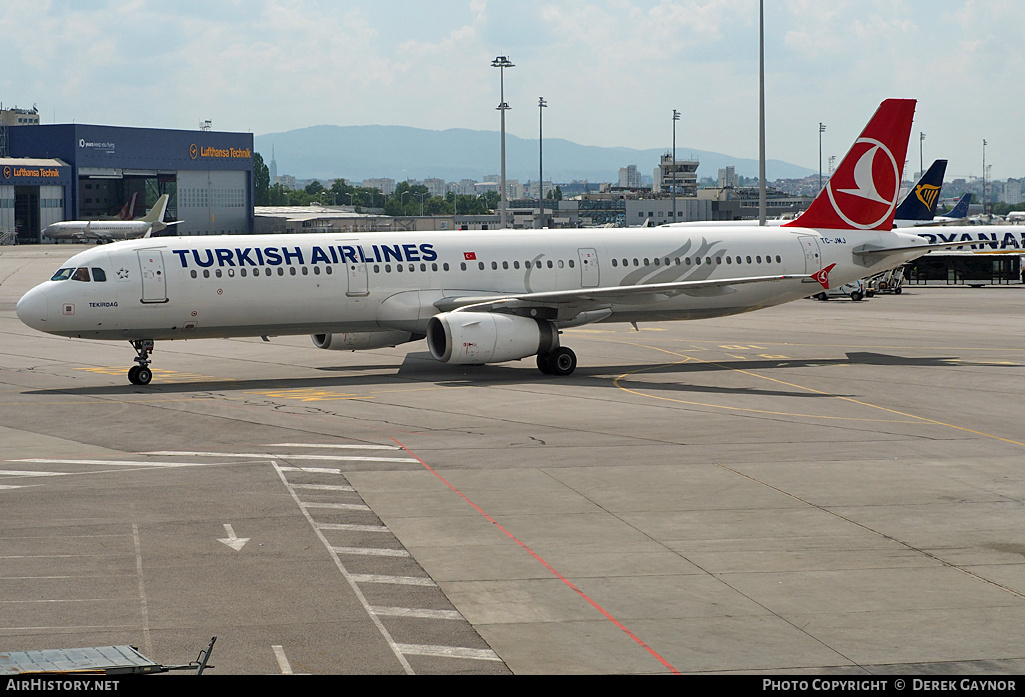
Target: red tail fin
862 193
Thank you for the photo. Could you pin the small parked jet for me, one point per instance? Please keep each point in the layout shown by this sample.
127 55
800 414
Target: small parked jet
108 230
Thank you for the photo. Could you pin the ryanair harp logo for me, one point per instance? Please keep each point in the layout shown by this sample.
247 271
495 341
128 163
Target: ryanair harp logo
927 193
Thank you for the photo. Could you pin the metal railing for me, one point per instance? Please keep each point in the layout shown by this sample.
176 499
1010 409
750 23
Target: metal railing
7 236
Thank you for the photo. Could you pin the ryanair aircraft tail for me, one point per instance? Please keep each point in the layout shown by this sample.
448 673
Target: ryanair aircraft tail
920 203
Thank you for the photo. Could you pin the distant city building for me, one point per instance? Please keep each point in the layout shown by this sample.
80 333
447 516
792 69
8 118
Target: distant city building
728 177
273 166
1013 192
19 117
15 117
629 177
384 185
463 187
435 187
286 180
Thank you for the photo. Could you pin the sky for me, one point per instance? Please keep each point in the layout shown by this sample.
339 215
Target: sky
611 71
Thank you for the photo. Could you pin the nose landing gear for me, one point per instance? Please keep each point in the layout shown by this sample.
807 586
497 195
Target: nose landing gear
141 374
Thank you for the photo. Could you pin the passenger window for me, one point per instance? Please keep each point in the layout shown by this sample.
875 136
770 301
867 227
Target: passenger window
81 274
99 275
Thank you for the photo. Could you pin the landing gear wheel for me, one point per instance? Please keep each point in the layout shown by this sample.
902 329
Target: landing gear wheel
563 361
544 363
141 374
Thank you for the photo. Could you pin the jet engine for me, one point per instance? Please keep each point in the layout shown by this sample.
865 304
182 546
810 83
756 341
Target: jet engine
361 341
484 337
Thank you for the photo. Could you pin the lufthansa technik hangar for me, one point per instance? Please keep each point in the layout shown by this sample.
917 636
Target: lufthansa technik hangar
208 176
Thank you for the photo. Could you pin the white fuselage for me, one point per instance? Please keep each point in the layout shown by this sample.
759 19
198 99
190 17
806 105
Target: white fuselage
97 229
253 285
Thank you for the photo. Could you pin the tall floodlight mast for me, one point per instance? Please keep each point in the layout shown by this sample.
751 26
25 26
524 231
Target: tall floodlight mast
502 62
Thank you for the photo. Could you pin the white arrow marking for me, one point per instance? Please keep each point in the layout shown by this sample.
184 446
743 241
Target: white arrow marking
233 541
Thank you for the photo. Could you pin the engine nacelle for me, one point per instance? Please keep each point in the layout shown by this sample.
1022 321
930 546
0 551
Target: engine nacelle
485 337
361 341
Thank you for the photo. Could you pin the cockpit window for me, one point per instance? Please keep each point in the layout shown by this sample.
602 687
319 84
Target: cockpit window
81 274
62 275
99 275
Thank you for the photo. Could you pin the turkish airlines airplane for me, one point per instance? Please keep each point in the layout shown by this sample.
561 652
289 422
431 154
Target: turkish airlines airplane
482 297
112 229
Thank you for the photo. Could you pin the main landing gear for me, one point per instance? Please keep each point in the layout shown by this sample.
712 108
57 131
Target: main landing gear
560 361
141 374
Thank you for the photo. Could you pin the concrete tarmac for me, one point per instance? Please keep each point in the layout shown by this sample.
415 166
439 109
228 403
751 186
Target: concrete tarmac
822 488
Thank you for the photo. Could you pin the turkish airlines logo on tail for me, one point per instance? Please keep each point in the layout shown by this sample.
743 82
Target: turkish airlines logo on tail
822 276
865 193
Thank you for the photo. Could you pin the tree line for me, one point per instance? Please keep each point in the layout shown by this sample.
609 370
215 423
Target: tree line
407 200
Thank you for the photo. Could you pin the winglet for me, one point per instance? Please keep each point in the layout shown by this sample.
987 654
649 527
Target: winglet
862 193
822 276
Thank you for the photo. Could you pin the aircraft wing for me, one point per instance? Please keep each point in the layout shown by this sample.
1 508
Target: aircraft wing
566 304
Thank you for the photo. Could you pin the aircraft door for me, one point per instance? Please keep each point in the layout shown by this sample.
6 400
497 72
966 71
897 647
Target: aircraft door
355 270
812 256
589 272
151 265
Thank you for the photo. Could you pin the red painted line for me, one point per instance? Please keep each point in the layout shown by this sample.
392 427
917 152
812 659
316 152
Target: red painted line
543 563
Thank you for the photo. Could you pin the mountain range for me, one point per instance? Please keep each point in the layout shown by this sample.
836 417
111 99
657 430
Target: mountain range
401 152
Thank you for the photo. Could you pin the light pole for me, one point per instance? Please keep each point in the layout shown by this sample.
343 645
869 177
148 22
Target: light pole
676 117
921 158
502 62
421 197
761 112
822 129
984 196
541 105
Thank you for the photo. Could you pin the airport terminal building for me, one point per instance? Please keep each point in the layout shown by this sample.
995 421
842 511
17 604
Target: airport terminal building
88 172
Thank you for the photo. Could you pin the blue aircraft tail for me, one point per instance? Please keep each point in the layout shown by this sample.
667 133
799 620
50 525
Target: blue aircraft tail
920 203
961 209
